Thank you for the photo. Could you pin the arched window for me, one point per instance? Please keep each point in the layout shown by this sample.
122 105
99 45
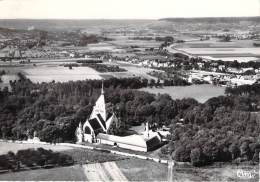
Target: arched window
87 130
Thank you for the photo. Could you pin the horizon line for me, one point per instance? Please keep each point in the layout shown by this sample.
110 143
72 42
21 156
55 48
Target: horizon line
199 17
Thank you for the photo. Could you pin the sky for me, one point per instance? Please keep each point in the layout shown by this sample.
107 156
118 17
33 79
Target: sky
126 9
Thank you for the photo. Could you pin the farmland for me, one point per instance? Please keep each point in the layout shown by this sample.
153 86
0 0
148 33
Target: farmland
47 71
240 50
199 92
60 74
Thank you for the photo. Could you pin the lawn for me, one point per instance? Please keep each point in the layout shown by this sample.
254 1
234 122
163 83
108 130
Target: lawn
83 156
141 170
72 173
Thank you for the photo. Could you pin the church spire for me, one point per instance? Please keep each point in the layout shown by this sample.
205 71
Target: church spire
102 88
100 107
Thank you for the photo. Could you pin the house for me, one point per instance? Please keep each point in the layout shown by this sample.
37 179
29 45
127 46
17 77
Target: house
201 65
222 67
208 78
72 55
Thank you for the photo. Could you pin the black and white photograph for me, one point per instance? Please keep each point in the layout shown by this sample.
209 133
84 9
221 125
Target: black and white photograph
130 90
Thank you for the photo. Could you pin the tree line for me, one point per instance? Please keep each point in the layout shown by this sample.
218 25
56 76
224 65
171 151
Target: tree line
31 158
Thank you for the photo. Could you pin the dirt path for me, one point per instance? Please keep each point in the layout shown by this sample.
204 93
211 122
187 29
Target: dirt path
108 171
115 172
95 172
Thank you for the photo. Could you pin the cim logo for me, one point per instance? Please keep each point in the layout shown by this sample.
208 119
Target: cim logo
244 174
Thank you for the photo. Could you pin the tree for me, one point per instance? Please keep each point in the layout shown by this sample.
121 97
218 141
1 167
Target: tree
234 150
197 157
211 151
181 154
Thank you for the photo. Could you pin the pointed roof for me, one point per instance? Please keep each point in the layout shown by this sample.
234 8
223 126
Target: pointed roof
95 124
110 121
102 121
100 106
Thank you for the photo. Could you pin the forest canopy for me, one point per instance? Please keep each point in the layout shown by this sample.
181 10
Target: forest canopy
224 128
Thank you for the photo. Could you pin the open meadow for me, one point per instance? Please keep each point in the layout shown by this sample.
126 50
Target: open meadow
60 74
199 92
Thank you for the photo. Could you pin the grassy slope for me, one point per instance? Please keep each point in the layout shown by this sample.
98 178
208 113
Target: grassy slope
141 170
137 170
73 173
84 156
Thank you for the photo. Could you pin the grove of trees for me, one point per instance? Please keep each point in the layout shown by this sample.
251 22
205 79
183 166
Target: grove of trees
224 128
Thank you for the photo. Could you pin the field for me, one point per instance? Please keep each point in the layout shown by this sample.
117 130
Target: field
240 50
124 42
134 71
72 173
83 156
199 92
107 46
49 70
141 170
48 73
215 43
6 79
14 147
134 170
